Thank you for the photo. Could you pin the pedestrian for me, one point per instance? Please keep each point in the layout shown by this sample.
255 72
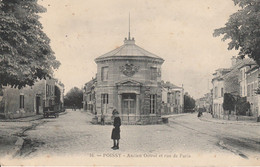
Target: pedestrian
199 113
116 130
102 119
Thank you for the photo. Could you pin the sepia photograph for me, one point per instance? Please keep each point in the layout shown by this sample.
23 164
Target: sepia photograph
130 82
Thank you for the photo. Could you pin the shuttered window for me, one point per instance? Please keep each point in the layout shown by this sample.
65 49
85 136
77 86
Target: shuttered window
21 101
152 104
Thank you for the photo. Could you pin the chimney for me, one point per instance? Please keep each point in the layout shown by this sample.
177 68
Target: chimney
129 41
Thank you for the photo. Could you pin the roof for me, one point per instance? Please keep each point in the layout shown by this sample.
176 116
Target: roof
241 63
128 49
90 84
170 85
248 64
222 71
225 72
219 78
252 69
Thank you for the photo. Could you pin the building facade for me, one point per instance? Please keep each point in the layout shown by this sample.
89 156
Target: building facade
128 79
241 81
89 96
172 98
218 92
205 102
252 78
30 100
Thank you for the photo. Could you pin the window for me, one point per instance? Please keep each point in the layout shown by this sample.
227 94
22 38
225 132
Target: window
216 92
248 90
159 72
222 92
52 91
152 104
104 73
51 102
168 97
255 87
47 89
90 107
104 98
153 73
252 89
244 73
90 98
21 101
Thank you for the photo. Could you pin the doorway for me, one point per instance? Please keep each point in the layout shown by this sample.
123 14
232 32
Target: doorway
38 103
129 106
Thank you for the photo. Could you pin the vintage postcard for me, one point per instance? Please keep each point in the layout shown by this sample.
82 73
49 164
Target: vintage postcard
129 83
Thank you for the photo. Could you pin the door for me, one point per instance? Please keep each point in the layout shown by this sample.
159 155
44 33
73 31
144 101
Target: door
129 109
38 100
104 103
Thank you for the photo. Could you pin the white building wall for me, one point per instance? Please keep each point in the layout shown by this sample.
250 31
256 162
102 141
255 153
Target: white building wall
243 82
218 98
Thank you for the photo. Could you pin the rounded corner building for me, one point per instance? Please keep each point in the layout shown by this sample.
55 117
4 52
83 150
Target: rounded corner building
129 80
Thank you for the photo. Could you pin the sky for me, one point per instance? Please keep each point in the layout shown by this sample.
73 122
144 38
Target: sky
179 31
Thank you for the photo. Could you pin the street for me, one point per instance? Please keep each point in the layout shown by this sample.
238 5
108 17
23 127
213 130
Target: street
73 134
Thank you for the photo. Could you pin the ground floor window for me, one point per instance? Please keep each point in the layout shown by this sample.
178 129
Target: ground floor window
90 107
152 104
104 98
104 102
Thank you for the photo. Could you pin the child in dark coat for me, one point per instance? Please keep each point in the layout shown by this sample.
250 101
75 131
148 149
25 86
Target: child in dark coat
116 130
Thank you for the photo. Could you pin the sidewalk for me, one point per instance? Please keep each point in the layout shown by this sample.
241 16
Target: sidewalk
28 119
24 119
208 118
12 133
175 115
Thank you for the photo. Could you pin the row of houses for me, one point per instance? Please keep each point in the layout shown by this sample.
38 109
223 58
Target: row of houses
129 79
241 80
31 100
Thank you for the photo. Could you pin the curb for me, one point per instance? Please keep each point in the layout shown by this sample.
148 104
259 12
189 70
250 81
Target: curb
21 119
18 146
176 115
226 122
227 147
63 113
20 140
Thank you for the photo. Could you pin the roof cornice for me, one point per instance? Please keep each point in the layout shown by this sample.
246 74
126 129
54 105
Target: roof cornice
139 58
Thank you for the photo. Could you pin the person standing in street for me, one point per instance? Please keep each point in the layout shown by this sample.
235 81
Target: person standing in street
102 119
116 130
